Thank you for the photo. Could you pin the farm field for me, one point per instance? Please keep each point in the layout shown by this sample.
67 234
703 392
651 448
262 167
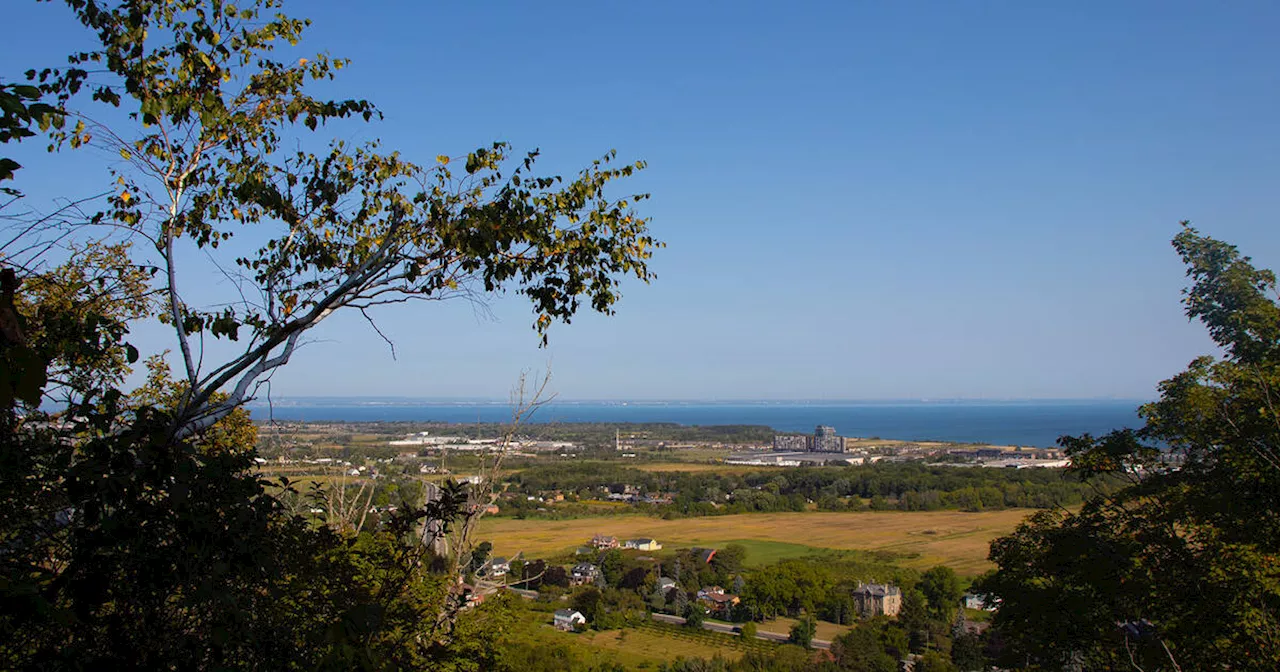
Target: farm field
924 538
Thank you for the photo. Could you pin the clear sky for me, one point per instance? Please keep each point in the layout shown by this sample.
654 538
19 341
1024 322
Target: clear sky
861 200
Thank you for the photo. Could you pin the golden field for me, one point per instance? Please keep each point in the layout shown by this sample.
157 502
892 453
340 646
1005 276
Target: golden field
953 538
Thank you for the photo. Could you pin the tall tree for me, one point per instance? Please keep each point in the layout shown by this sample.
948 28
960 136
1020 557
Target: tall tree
941 587
135 530
204 157
1181 568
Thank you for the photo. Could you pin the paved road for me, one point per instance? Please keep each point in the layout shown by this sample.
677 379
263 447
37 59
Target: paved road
485 587
728 630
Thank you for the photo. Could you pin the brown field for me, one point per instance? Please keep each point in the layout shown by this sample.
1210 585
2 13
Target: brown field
953 538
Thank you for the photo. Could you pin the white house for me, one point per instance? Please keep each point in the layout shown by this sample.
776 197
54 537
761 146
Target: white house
567 619
975 601
499 567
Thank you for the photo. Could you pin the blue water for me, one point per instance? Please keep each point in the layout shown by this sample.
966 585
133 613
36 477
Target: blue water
1027 423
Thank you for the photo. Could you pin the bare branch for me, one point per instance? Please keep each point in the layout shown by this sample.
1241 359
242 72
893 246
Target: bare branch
375 328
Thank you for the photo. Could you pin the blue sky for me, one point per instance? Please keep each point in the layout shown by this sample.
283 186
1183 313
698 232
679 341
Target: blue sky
861 200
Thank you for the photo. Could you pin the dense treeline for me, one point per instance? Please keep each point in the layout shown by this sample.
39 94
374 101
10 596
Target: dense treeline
909 486
590 435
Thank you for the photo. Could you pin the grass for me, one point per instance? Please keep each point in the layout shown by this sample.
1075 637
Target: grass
643 647
923 539
826 630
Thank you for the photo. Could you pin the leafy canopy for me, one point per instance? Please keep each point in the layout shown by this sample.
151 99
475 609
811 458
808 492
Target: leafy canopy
1180 568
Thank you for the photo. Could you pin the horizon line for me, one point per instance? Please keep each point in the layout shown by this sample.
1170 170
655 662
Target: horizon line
703 400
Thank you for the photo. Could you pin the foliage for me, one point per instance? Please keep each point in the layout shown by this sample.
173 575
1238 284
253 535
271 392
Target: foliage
802 632
819 585
204 157
861 650
21 108
933 661
1181 568
694 615
903 486
587 600
135 531
942 589
967 652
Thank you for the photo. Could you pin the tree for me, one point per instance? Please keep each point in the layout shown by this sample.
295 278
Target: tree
896 642
680 600
694 615
933 661
480 556
588 601
749 630
21 108
967 652
802 632
914 617
637 579
1129 580
136 531
942 589
204 159
861 650
611 567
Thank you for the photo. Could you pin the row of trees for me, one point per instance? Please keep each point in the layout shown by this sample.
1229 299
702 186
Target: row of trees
901 486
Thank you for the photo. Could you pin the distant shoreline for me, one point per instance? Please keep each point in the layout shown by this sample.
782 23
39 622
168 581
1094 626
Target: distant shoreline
464 401
1036 424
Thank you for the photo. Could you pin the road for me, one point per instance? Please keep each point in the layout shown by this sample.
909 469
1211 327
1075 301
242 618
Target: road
729 630
485 587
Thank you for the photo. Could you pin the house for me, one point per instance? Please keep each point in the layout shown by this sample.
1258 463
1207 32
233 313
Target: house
470 598
664 584
567 619
584 573
875 599
499 567
705 554
717 602
975 601
642 544
602 542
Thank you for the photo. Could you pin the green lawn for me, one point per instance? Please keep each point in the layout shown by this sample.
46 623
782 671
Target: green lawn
643 647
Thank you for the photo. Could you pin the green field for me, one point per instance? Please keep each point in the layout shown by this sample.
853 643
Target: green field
919 539
641 647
